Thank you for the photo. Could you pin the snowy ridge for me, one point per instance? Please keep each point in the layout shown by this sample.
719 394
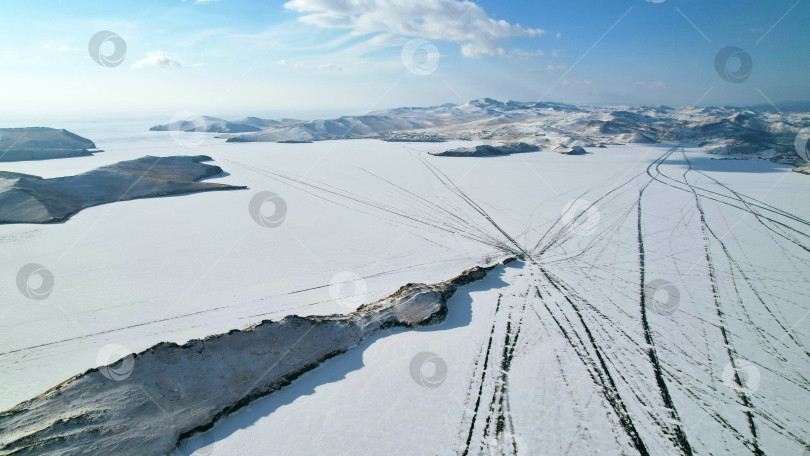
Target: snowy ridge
747 132
170 392
212 124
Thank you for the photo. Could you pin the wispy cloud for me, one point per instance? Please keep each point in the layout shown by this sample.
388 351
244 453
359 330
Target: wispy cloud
61 48
445 20
329 67
288 64
158 59
522 53
354 58
651 84
578 83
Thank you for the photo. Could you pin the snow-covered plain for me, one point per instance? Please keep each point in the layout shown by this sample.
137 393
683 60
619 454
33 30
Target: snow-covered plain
170 269
561 353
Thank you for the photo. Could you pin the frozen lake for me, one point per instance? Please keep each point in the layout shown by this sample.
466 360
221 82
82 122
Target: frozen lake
560 352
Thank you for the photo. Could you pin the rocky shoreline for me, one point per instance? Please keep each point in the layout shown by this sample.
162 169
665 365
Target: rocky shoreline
148 402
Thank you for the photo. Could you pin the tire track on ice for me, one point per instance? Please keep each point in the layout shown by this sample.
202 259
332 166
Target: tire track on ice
676 435
466 450
753 443
600 373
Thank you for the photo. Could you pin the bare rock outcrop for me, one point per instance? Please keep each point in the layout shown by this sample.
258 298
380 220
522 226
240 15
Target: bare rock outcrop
41 143
31 199
487 150
147 402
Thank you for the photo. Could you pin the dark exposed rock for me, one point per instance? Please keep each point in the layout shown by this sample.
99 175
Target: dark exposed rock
412 136
171 391
487 150
576 150
805 169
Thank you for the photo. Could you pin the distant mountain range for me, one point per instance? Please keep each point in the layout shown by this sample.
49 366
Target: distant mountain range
755 131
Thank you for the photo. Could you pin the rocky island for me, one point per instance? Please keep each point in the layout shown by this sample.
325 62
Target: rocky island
31 199
486 150
42 143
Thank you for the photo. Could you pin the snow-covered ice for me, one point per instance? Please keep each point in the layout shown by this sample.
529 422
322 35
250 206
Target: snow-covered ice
659 307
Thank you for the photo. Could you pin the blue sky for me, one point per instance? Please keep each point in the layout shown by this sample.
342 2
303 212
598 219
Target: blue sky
254 57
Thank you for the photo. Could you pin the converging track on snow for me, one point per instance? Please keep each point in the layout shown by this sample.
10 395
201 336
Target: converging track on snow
648 369
583 353
660 312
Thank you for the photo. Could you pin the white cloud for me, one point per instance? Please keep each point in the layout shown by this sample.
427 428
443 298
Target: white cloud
444 20
329 66
578 83
61 48
522 53
557 67
289 64
309 65
158 59
651 84
352 59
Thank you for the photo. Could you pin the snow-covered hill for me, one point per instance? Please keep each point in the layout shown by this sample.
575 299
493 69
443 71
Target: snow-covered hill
746 132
